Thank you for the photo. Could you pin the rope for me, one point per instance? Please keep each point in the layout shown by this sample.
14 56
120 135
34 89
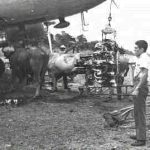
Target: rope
110 8
83 21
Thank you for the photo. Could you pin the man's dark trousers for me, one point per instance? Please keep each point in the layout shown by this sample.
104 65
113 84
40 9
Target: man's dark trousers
140 113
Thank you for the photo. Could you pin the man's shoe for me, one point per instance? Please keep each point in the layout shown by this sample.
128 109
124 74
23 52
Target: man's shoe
138 143
133 137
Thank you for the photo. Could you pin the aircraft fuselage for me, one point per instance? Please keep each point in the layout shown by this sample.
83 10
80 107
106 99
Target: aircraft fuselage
17 11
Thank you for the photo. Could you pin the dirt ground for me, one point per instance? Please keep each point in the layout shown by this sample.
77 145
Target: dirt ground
63 120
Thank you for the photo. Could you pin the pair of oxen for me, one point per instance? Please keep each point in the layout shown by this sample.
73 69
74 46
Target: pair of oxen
34 61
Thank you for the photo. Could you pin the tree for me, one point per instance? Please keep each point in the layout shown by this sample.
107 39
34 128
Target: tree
82 42
81 38
91 45
64 39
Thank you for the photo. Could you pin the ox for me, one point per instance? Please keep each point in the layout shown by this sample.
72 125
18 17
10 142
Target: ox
61 65
121 71
27 61
123 68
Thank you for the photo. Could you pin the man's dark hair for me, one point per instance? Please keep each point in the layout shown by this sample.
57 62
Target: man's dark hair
142 44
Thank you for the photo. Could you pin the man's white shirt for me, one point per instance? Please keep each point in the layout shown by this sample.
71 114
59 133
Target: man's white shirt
142 62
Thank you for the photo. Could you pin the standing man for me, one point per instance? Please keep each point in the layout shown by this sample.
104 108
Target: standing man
140 91
64 75
62 49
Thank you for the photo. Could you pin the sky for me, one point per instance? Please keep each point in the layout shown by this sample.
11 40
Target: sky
131 20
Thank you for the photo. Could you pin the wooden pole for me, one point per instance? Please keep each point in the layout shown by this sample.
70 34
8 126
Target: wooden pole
49 39
48 24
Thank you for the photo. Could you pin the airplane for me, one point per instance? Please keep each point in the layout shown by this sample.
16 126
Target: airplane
18 13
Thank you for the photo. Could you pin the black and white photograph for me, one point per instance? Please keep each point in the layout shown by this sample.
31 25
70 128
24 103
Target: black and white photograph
74 75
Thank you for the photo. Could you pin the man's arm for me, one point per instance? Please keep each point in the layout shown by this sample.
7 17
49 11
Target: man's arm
142 81
128 52
125 51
